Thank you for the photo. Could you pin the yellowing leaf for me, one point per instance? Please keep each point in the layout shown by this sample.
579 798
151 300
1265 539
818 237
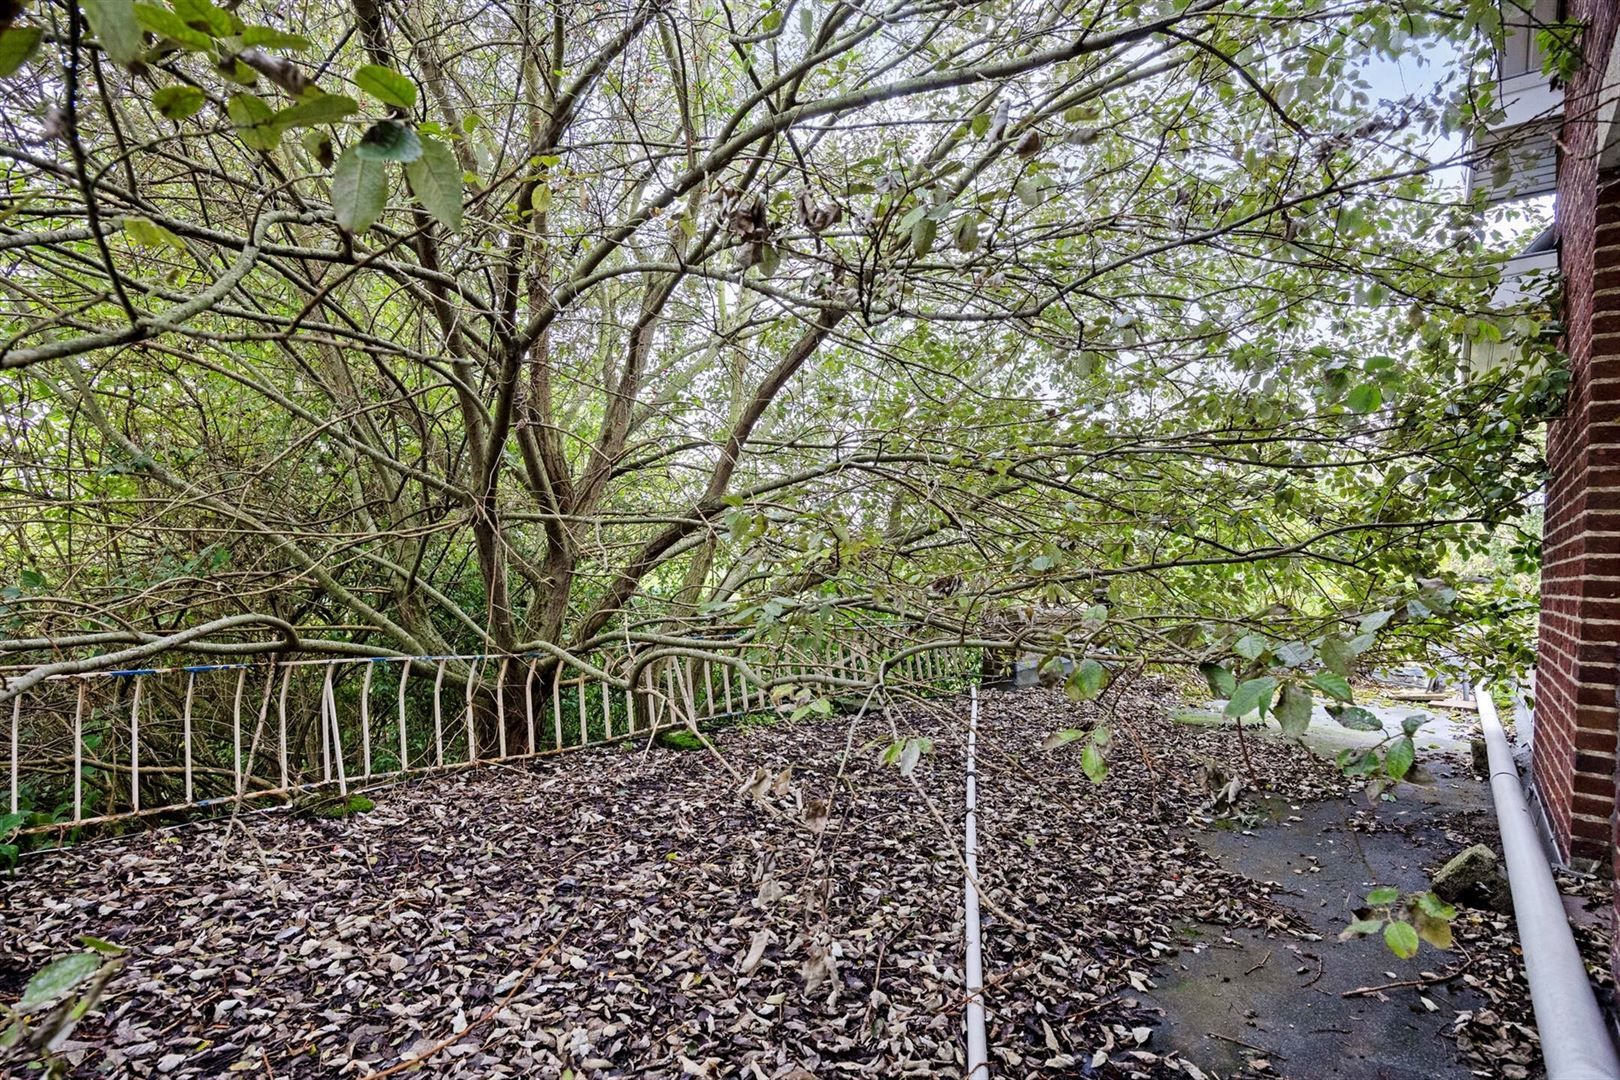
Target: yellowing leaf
150 234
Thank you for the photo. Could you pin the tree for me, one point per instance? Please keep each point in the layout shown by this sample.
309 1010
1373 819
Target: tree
1137 330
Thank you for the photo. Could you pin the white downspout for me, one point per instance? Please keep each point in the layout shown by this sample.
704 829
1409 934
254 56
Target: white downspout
1574 1038
978 1066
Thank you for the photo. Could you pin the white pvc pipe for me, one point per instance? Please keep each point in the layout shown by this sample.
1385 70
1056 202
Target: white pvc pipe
1575 1040
978 1066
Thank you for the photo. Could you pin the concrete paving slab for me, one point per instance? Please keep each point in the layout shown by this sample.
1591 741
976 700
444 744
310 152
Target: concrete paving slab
1234 999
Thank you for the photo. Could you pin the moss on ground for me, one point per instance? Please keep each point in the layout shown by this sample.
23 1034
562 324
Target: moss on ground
683 739
678 739
328 808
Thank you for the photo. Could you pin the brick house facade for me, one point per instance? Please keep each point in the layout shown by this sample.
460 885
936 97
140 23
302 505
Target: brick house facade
1574 757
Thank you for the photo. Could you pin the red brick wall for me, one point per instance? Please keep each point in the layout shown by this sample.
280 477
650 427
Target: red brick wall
1578 662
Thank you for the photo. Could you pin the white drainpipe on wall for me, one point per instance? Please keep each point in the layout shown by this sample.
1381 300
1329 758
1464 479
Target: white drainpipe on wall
1575 1041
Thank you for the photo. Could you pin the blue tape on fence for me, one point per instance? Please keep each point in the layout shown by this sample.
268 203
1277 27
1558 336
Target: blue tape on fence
133 671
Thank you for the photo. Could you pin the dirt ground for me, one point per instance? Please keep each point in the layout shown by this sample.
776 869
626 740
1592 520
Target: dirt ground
788 909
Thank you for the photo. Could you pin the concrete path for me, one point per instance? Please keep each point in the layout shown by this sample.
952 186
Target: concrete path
1249 1002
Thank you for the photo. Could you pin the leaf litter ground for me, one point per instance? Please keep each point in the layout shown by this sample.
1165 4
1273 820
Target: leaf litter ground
791 913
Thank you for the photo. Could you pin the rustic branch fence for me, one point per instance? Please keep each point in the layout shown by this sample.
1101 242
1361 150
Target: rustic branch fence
107 746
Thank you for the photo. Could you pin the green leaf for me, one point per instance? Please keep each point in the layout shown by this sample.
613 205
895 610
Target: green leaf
1061 738
204 16
116 29
922 236
252 116
386 85
967 233
1252 696
1364 398
321 109
1294 653
1356 762
105 948
1356 718
1434 907
359 190
179 102
1088 680
10 823
1093 764
1334 686
389 140
1337 656
1250 646
238 72
1383 895
1440 597
541 200
318 143
17 44
1029 191
31 578
1294 710
57 979
268 37
770 257
1401 939
1411 723
165 23
1221 681
1398 759
1375 622
1362 927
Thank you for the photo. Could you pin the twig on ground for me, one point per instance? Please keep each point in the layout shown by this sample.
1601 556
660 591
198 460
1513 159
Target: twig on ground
1432 980
1246 1046
1321 969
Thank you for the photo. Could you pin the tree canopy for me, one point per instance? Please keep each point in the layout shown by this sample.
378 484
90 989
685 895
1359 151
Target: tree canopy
1141 331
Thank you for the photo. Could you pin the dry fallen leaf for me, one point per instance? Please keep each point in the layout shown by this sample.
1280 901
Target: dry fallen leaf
355 943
